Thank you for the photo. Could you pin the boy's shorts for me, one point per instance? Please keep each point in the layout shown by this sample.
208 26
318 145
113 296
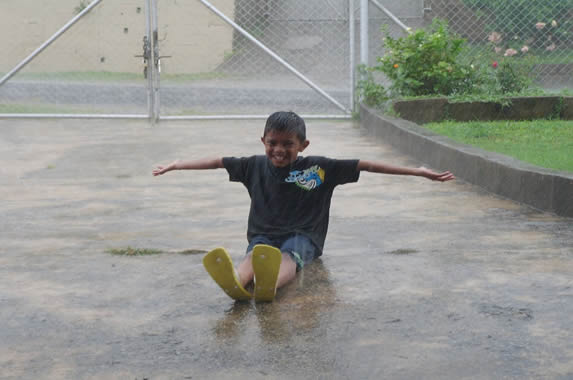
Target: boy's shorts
299 247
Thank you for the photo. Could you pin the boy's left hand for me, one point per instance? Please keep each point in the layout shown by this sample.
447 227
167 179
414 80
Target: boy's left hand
442 177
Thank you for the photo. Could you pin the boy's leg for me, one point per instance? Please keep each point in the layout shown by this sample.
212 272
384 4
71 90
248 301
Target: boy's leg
294 253
245 270
287 271
266 265
219 265
298 250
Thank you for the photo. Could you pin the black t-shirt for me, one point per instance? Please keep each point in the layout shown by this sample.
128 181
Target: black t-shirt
293 199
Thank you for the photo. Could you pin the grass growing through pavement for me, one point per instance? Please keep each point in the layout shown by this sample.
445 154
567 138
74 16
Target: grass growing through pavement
546 143
131 251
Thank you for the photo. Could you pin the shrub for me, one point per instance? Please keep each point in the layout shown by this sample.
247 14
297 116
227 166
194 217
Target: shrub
512 76
426 62
429 63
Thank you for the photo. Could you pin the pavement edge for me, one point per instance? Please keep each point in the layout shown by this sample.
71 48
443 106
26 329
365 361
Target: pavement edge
544 189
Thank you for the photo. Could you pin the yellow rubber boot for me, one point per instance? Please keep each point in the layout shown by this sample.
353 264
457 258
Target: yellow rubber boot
266 265
220 266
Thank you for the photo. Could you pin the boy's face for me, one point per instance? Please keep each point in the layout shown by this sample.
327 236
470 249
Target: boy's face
282 148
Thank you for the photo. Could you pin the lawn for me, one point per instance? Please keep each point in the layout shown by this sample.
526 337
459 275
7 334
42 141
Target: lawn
545 143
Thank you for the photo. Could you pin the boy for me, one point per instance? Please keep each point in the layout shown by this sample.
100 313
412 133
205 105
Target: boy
290 202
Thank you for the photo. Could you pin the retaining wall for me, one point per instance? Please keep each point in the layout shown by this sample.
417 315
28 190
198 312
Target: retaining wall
544 189
526 108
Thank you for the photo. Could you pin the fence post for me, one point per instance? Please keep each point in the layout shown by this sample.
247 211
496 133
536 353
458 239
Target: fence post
150 59
364 32
155 62
352 63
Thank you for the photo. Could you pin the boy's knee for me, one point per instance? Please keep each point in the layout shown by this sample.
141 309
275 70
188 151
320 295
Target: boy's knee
293 260
288 259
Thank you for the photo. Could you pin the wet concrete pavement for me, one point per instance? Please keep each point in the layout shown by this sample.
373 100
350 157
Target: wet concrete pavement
418 280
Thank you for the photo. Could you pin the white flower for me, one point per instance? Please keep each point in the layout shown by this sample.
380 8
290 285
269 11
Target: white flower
510 52
525 49
540 25
554 23
494 37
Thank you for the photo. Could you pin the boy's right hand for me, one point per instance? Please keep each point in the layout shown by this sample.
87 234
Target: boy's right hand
159 170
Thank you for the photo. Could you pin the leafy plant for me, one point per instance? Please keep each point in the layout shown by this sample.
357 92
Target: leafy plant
369 92
512 77
502 75
426 62
429 63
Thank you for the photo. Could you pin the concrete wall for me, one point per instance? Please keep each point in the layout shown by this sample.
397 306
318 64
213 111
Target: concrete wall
424 111
108 37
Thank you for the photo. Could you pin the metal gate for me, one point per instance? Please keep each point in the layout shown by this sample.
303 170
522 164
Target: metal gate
165 60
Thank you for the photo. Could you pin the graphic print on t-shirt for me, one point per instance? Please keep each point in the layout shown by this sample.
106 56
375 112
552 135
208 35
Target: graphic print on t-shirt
308 179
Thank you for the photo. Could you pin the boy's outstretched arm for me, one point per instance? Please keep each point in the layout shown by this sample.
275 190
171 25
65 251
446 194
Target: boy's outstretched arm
380 167
205 163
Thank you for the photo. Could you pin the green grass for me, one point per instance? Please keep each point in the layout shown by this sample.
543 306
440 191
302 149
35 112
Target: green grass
545 143
131 251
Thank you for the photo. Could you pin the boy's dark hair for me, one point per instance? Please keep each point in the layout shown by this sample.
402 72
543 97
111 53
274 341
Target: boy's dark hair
286 121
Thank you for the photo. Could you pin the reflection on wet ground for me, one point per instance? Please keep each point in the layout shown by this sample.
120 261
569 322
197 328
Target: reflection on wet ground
298 309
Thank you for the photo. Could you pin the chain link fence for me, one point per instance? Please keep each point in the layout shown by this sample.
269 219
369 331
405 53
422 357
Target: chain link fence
311 37
287 54
207 67
91 68
539 31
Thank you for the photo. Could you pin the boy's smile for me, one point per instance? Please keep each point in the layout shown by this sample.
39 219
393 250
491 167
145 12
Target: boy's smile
282 148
